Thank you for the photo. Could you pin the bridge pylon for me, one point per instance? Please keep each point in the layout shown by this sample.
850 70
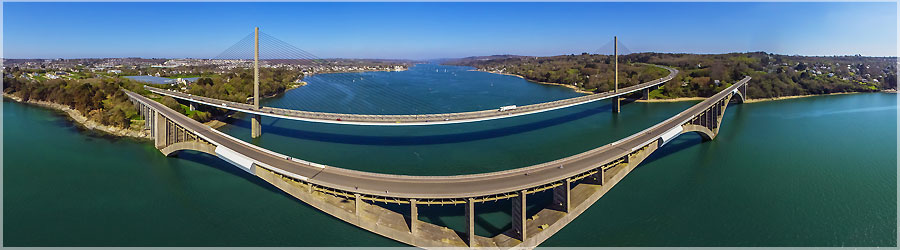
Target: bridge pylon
255 126
616 102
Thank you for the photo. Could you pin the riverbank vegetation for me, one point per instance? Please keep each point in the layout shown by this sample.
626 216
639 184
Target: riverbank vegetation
96 93
237 85
704 75
586 72
774 75
99 100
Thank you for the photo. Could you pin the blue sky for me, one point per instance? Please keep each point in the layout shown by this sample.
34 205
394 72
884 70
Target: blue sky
440 30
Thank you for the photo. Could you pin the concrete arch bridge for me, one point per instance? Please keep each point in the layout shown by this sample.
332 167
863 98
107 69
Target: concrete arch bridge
353 196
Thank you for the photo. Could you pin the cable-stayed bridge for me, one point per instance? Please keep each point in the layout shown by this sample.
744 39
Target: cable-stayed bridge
414 119
281 51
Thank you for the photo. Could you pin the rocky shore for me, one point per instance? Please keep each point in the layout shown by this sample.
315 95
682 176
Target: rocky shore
546 83
83 121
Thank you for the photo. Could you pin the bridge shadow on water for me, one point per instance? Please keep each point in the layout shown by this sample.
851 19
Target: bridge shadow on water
491 218
222 165
425 139
691 139
677 144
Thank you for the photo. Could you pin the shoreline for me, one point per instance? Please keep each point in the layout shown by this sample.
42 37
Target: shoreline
677 99
545 83
799 96
82 121
77 118
685 99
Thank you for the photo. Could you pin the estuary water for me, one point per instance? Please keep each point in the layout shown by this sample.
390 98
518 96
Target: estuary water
817 171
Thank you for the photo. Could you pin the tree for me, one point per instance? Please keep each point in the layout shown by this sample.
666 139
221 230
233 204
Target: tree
171 103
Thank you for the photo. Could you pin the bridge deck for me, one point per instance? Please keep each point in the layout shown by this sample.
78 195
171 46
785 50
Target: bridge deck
418 119
441 187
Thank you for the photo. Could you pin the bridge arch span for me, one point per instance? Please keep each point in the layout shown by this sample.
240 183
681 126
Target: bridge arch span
708 135
739 93
174 148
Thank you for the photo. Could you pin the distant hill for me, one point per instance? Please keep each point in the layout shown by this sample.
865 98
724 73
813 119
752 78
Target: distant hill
464 60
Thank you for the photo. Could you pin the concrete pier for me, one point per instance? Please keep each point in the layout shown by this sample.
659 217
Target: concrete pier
255 126
561 197
519 213
616 104
470 222
413 215
160 131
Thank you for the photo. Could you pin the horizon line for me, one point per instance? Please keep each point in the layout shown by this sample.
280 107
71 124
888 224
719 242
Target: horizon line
442 58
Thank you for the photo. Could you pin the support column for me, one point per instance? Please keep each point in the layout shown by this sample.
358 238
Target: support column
151 118
413 216
596 178
702 119
470 222
518 215
255 126
646 94
160 133
561 195
743 90
146 114
718 111
358 204
602 176
616 104
191 105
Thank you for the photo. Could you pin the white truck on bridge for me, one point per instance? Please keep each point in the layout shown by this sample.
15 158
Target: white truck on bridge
507 108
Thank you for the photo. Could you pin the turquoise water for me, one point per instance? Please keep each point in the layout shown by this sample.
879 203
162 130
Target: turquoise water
458 148
818 171
424 88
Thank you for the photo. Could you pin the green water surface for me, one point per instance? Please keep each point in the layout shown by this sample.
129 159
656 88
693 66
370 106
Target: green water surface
818 171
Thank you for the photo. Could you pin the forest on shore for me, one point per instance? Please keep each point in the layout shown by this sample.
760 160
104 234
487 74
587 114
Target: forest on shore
702 75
